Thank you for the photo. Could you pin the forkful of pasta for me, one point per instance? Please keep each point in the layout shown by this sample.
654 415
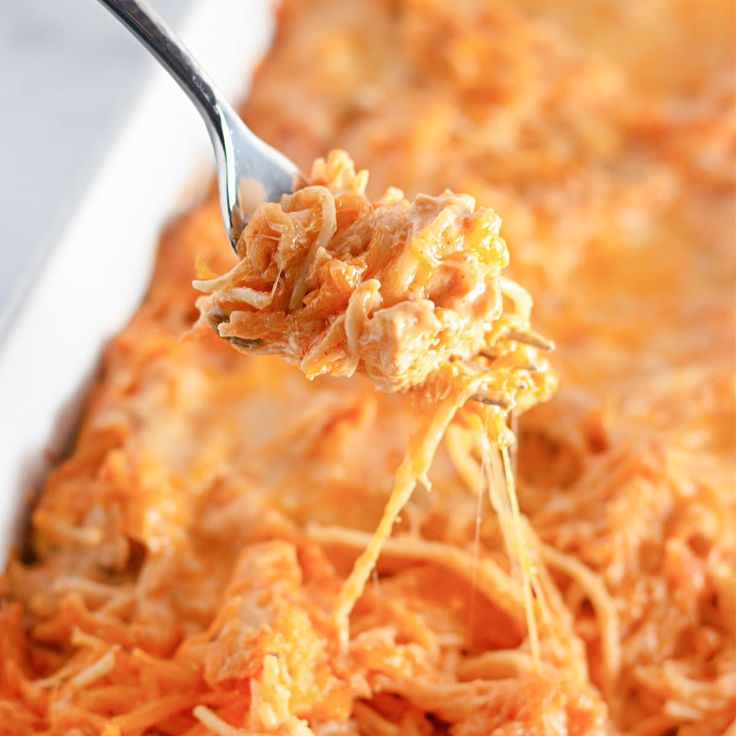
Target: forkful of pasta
401 291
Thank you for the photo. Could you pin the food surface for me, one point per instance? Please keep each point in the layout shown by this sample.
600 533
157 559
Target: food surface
185 563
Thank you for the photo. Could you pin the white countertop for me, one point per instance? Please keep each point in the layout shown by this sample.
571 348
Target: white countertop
69 73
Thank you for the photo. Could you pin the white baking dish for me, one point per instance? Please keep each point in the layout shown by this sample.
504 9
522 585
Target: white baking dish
96 275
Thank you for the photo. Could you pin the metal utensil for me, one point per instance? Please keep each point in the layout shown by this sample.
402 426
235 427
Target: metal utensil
249 171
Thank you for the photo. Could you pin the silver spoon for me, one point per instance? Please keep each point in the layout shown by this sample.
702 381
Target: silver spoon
249 171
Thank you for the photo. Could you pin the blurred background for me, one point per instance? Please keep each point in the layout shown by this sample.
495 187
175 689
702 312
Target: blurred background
69 75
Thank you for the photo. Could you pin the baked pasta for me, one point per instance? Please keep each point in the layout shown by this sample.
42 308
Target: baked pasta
190 567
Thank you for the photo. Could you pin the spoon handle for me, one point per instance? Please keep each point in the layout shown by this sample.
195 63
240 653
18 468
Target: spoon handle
146 25
240 155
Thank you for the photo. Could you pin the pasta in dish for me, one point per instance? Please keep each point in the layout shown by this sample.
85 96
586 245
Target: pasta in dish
191 566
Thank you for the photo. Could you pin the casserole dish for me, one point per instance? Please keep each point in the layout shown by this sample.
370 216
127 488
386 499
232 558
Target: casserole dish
52 340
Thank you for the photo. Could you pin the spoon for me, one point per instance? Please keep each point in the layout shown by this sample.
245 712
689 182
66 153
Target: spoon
249 171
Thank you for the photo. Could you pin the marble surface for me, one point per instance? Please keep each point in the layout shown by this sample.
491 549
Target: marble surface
68 75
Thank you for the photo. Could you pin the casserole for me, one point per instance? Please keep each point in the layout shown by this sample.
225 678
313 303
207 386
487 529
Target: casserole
197 544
